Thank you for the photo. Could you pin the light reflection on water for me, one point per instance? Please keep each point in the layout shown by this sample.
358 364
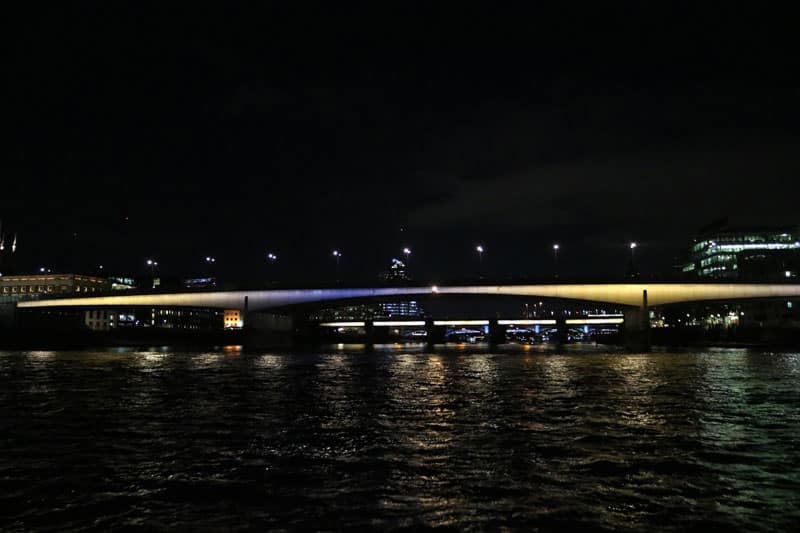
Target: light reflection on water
395 437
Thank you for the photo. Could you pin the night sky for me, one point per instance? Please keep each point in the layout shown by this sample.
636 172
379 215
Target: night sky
176 132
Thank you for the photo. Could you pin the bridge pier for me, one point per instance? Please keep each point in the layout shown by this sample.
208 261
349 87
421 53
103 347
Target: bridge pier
369 333
562 332
636 329
434 334
267 329
497 333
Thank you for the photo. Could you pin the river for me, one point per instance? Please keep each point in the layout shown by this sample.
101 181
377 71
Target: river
398 437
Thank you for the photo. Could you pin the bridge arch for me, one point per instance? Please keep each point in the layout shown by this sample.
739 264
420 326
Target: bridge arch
623 294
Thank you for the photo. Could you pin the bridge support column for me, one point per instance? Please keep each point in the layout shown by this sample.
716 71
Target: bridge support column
562 332
434 334
497 333
636 329
369 333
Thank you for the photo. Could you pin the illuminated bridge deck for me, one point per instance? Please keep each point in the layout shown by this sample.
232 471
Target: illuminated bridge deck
625 294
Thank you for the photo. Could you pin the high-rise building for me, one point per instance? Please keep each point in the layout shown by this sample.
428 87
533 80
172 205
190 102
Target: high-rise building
747 254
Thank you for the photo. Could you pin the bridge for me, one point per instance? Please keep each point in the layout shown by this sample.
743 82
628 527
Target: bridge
633 295
634 298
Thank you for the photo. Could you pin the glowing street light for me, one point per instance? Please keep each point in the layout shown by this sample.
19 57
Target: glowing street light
337 254
555 260
633 264
152 264
210 259
271 257
480 251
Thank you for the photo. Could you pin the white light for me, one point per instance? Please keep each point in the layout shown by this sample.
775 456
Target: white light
149 261
352 324
41 269
526 322
399 323
595 320
479 248
336 253
556 247
434 289
788 273
406 251
633 245
460 322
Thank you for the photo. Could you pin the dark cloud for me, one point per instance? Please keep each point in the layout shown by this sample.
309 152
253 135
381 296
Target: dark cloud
668 191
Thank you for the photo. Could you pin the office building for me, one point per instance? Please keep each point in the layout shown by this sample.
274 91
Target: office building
722 252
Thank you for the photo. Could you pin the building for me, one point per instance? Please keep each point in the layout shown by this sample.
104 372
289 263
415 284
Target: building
370 311
721 252
232 319
199 283
397 271
33 286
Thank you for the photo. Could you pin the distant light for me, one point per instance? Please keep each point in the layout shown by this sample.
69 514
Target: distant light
41 269
556 247
479 248
633 245
434 289
788 273
101 267
337 253
406 251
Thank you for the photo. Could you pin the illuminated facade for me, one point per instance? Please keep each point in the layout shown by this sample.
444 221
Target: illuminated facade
742 254
397 271
35 285
232 319
371 311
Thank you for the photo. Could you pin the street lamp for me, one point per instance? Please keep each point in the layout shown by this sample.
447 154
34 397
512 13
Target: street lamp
480 250
407 253
633 264
337 254
152 264
271 257
210 259
555 260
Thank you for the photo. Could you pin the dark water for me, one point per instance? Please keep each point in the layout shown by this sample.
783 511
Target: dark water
396 439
